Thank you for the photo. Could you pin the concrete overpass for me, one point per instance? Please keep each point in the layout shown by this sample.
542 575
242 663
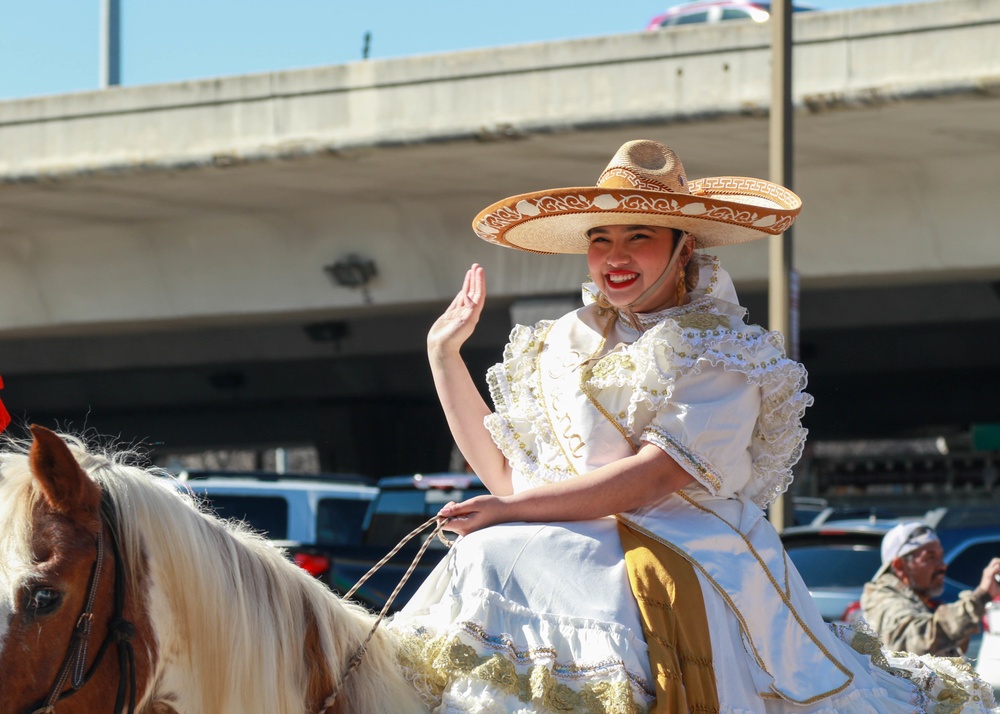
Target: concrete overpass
163 248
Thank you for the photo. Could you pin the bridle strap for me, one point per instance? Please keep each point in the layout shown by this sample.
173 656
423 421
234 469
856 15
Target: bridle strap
75 661
120 631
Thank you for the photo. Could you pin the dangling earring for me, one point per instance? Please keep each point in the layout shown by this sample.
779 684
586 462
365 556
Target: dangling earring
681 285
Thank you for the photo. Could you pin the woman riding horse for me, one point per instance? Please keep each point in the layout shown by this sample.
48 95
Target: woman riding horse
623 561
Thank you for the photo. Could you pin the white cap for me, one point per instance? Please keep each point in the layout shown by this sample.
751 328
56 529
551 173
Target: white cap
904 539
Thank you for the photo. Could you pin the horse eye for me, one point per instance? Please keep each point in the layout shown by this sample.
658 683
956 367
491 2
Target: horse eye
43 600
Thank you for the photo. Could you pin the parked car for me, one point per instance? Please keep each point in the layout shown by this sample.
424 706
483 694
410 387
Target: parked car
713 11
812 511
806 509
836 561
405 502
970 536
870 514
837 557
291 509
402 504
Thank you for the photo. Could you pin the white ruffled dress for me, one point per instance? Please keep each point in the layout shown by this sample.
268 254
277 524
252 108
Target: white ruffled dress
541 618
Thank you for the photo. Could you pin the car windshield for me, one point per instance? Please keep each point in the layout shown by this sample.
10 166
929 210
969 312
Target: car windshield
835 566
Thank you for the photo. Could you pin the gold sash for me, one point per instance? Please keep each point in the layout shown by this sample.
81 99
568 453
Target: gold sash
674 622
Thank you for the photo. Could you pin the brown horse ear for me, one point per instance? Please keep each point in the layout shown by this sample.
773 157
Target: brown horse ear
66 486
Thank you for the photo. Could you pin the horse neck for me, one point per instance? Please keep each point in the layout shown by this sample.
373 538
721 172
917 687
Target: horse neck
240 627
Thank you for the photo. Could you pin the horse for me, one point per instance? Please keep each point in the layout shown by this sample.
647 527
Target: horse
119 592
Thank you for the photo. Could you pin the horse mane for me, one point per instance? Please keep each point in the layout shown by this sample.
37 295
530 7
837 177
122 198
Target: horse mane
239 627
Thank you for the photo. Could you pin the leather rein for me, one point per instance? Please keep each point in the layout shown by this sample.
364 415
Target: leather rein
362 649
120 631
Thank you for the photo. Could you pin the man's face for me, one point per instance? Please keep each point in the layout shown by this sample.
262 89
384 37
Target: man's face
923 570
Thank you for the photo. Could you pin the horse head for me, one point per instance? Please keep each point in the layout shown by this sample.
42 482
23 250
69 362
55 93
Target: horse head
65 629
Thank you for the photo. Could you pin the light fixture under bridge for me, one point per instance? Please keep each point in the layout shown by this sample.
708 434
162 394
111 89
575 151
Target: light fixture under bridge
353 271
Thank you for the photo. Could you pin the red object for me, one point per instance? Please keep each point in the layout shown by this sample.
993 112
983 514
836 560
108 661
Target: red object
315 565
852 612
4 416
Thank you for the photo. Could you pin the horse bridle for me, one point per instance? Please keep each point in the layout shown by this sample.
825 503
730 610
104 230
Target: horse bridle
120 631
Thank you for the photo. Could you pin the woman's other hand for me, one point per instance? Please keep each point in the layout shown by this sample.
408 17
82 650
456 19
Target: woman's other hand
450 331
474 514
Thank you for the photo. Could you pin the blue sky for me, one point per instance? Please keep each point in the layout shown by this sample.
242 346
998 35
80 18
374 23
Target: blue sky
52 46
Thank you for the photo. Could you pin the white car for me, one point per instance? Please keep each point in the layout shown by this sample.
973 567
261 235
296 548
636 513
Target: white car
309 509
713 11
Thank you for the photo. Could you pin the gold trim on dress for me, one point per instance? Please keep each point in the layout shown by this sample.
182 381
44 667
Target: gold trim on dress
431 663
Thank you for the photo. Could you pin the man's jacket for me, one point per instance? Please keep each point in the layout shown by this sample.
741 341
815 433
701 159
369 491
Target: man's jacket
905 623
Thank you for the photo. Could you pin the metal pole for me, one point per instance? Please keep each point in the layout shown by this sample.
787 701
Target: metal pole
111 43
783 291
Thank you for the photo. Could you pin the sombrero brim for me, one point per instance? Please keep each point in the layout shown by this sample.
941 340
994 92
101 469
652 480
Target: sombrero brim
723 210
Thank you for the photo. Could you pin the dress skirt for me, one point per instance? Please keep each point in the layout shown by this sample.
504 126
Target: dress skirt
541 618
529 618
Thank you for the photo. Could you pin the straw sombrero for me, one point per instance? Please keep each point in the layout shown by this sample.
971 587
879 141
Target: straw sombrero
644 184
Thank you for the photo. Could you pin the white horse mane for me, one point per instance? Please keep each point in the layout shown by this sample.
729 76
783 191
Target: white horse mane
230 611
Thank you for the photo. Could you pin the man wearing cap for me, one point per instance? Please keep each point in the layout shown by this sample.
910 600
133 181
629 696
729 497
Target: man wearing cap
899 601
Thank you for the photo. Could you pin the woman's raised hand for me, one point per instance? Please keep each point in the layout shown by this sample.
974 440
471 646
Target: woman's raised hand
464 407
456 324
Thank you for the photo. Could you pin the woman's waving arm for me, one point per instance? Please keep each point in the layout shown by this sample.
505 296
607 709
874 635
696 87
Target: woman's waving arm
463 406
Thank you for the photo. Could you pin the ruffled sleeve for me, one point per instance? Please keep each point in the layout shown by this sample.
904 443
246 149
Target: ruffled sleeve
721 398
518 422
757 393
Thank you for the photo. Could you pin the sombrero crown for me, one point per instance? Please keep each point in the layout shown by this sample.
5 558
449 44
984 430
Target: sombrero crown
644 184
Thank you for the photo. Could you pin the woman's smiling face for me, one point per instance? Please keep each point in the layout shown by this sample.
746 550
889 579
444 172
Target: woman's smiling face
625 261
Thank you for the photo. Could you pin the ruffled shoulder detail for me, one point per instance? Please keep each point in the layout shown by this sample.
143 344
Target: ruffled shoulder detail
519 420
702 333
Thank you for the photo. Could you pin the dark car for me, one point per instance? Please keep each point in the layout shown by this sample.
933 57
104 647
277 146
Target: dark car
403 503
